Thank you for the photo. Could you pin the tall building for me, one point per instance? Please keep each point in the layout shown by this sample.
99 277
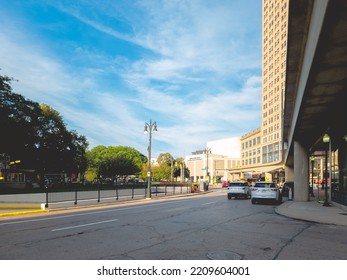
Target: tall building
274 54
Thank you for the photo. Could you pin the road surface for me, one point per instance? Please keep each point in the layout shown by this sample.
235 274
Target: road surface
200 227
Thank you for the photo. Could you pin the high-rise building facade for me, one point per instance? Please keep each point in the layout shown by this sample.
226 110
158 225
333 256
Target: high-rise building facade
274 54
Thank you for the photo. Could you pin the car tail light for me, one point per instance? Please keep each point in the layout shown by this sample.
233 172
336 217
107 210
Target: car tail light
243 188
274 190
254 189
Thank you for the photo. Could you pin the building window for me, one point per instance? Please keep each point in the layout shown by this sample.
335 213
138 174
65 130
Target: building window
264 150
264 159
270 147
276 147
276 156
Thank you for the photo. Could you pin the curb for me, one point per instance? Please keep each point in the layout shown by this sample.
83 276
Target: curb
21 212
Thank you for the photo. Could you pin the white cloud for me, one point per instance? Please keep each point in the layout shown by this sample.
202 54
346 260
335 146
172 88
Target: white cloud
192 53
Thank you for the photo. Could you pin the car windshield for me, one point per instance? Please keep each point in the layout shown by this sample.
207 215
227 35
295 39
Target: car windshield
265 185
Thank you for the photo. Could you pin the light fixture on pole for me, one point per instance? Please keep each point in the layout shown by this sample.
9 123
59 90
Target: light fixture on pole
149 128
326 139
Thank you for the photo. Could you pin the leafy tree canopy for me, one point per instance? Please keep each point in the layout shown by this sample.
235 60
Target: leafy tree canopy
115 162
165 159
37 135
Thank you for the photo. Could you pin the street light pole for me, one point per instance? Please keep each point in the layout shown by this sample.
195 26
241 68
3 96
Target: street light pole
312 170
149 128
326 139
207 151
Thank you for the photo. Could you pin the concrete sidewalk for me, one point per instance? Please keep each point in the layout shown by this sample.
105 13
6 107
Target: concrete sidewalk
314 211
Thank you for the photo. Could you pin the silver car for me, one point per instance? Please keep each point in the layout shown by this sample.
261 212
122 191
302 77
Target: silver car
265 191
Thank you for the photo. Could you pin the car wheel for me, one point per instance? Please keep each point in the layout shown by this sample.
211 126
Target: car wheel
253 201
229 196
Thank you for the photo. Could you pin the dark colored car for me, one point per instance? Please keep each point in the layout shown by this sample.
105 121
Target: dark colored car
285 189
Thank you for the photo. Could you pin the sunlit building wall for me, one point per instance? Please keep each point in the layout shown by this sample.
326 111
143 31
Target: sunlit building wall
274 54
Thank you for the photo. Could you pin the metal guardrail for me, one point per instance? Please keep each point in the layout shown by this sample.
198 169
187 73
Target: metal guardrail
116 193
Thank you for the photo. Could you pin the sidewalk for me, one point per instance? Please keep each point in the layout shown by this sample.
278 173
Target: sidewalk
313 211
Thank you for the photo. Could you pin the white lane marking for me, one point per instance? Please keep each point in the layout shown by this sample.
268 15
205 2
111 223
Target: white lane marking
176 209
85 225
208 203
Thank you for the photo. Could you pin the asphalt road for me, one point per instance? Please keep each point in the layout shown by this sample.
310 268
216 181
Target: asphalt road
201 227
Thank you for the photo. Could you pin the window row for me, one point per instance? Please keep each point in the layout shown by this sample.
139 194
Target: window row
250 143
250 153
255 160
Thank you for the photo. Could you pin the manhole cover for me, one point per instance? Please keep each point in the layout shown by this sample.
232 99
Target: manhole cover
223 255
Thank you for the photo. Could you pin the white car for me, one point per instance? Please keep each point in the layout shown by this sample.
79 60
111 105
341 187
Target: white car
265 191
239 189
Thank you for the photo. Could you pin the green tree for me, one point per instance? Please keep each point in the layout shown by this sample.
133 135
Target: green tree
179 164
115 162
20 119
37 135
165 159
161 172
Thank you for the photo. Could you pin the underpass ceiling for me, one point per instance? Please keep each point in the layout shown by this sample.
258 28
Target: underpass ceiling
324 101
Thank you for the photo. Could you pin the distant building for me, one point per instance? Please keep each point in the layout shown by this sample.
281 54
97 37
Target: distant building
208 166
215 162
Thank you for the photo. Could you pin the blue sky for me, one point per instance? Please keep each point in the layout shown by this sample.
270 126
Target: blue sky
109 66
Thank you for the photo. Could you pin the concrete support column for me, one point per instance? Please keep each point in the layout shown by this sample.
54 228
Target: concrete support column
289 173
301 172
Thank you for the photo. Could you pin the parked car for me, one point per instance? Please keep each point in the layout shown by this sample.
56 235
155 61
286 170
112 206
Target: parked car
285 189
239 189
225 184
265 191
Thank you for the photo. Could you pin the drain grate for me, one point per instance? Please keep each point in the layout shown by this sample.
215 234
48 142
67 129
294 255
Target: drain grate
223 255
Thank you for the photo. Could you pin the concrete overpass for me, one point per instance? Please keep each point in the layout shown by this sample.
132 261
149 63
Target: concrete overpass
316 87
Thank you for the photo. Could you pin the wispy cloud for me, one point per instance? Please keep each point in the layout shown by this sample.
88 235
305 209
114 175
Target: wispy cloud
193 66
